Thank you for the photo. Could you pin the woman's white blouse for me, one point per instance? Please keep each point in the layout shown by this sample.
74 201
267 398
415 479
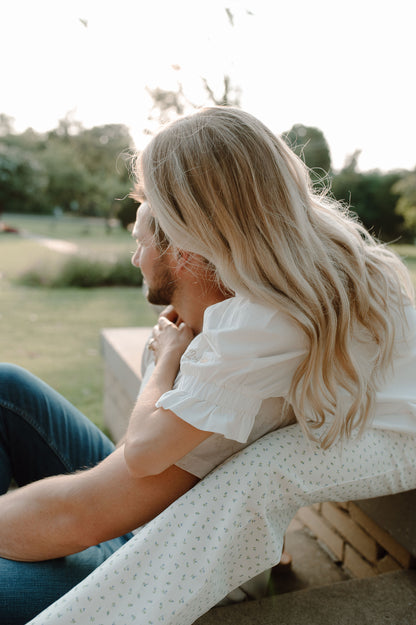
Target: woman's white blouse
248 352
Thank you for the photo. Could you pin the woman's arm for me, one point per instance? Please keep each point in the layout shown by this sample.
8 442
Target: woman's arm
156 438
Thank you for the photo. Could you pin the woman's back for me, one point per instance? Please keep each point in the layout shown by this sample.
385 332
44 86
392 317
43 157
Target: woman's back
221 185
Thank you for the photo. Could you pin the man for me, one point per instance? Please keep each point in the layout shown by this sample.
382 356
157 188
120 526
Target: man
79 501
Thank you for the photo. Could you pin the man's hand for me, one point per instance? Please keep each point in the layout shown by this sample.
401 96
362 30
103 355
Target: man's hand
170 340
170 313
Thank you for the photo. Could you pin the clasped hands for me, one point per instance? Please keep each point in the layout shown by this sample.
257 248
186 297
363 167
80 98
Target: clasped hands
170 336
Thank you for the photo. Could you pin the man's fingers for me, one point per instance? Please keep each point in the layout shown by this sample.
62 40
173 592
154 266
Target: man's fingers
164 323
169 313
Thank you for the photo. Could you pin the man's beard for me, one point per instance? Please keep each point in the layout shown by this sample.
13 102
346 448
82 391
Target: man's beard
161 292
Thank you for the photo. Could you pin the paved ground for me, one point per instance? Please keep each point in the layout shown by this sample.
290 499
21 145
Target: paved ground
311 566
388 599
316 591
58 245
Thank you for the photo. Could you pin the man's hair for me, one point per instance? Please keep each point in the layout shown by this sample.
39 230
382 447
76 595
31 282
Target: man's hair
159 237
222 185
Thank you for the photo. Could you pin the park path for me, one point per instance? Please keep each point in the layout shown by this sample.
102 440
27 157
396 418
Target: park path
58 245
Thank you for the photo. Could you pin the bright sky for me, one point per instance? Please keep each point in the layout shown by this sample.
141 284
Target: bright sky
346 67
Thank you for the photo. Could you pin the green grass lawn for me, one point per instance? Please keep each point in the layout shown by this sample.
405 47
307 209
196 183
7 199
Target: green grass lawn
55 333
67 227
89 234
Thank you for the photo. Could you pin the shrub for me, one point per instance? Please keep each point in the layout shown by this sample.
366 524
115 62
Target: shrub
126 213
85 272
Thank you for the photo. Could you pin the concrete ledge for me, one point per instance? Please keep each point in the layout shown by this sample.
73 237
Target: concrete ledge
388 599
122 351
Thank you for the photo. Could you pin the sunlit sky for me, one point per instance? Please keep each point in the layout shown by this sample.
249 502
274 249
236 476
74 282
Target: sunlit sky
347 67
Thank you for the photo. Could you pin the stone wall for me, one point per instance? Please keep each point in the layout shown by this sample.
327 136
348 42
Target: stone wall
354 539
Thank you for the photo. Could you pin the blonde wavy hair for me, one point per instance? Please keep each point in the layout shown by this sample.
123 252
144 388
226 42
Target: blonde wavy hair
222 185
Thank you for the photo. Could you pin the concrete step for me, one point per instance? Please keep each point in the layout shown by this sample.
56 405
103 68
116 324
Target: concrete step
388 599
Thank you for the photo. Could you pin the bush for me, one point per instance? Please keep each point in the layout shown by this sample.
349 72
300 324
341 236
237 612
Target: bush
85 272
372 196
126 213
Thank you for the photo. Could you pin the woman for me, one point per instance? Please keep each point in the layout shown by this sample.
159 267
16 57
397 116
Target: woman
320 316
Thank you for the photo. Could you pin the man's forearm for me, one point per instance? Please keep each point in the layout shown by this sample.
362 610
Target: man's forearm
40 521
61 515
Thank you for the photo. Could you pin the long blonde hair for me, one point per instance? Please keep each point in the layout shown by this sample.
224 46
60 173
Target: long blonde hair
222 185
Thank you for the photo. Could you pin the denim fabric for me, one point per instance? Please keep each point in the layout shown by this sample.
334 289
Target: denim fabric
42 434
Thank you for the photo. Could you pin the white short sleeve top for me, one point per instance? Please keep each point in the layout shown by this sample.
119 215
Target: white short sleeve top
245 354
248 352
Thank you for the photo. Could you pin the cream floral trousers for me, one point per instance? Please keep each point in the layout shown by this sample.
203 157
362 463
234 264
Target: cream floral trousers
230 527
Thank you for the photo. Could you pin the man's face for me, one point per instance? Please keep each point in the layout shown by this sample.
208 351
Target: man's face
154 263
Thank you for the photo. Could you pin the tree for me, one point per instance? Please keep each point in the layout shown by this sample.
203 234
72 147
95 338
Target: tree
231 95
77 169
167 104
311 146
373 197
406 204
100 147
22 181
69 182
6 124
126 211
87 167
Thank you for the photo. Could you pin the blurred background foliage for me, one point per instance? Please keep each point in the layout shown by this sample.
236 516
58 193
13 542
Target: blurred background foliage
87 172
69 169
385 202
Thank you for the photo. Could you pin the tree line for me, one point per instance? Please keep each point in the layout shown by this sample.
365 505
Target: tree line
384 202
70 169
86 172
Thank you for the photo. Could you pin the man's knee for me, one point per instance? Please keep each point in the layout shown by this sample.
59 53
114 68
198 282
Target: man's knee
12 376
17 385
27 588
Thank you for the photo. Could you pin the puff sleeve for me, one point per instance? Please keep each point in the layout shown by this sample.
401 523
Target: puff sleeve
246 353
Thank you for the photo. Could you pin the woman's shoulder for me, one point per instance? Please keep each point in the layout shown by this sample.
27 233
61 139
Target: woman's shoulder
237 307
240 312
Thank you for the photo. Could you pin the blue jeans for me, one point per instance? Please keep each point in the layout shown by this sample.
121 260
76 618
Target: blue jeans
42 434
